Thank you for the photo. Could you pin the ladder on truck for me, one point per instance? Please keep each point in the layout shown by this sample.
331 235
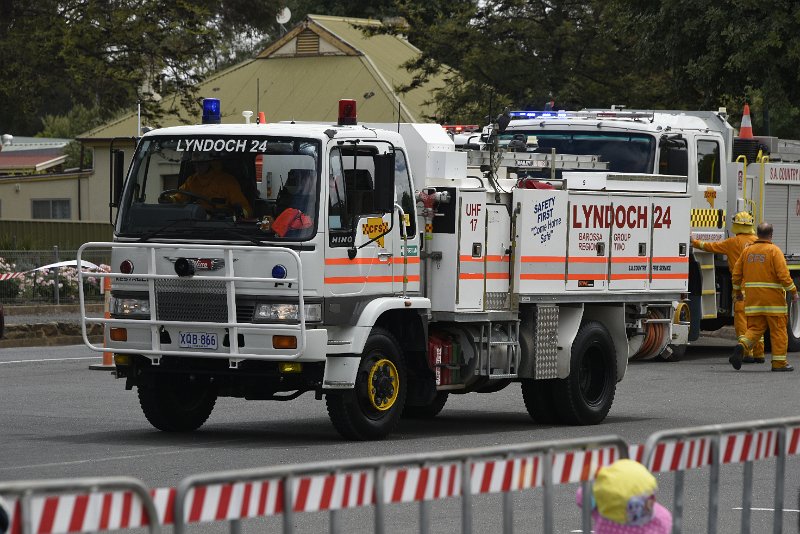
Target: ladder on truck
536 160
488 366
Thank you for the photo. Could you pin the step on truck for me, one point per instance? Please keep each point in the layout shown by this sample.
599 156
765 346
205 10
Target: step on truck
383 271
726 174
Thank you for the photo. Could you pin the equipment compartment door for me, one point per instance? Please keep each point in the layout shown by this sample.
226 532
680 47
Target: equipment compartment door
541 241
670 260
498 243
589 231
630 243
471 254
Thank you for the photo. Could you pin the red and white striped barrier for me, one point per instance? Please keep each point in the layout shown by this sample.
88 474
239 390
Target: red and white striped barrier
10 276
242 500
93 512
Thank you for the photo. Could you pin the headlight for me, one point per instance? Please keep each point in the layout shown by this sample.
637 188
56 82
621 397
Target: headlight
286 312
130 307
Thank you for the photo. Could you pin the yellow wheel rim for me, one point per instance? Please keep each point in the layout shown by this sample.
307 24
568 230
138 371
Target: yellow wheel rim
383 384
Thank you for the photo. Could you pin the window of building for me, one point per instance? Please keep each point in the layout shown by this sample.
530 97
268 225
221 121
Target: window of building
708 162
51 209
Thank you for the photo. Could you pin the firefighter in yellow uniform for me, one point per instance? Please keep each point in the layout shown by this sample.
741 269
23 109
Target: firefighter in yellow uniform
762 274
732 248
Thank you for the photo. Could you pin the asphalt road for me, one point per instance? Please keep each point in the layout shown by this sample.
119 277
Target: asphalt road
58 419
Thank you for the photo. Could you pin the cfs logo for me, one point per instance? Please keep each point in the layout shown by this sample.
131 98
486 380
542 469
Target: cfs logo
374 227
710 195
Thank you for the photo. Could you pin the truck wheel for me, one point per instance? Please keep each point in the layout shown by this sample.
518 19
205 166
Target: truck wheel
177 405
372 409
429 411
586 395
538 397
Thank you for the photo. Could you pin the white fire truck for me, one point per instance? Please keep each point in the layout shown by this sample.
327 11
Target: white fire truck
383 271
726 174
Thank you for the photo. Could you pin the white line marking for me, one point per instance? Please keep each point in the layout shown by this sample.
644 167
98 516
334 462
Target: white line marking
769 510
52 360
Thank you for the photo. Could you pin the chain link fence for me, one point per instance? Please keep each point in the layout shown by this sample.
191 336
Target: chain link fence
30 276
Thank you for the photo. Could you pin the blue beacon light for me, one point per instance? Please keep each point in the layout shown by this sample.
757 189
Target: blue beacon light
279 271
211 111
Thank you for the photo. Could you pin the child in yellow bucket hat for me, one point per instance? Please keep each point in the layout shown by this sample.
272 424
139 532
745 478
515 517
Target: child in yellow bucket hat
624 501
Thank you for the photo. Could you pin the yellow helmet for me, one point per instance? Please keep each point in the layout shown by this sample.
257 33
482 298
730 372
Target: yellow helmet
743 223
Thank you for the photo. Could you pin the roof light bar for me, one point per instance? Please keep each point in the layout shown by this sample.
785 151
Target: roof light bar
586 114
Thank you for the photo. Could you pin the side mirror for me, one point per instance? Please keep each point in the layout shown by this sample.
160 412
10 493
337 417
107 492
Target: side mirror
384 182
117 176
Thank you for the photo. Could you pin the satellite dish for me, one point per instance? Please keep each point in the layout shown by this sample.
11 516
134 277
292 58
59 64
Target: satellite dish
283 16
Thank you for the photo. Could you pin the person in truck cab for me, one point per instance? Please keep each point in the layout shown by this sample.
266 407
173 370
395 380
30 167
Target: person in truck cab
295 204
216 188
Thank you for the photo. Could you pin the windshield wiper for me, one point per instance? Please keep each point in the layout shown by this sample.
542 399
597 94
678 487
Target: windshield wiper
216 231
153 233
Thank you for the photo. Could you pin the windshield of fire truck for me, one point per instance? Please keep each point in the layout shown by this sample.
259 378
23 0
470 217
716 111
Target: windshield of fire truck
624 152
222 187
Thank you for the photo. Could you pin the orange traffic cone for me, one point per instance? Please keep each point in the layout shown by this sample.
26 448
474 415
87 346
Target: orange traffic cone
746 130
108 357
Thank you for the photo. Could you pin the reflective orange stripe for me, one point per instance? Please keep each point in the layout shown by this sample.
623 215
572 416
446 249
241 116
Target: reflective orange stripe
542 259
348 261
670 276
586 277
368 279
471 276
537 276
670 259
637 276
587 259
368 261
470 258
636 259
497 276
497 258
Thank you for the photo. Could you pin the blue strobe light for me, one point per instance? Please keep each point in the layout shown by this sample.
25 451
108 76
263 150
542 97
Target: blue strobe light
211 111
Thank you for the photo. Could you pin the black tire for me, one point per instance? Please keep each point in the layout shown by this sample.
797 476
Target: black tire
586 395
429 411
537 394
538 397
366 413
174 404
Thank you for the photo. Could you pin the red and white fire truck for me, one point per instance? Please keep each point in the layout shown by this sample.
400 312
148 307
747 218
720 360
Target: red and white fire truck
404 272
726 175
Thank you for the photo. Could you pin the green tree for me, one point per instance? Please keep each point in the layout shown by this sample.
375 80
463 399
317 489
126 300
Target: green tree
523 53
376 9
78 120
61 53
723 53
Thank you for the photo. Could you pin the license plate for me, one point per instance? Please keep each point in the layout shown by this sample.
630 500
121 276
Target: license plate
198 340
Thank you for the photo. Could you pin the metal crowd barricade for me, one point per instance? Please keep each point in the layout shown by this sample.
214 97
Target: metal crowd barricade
682 449
337 485
88 505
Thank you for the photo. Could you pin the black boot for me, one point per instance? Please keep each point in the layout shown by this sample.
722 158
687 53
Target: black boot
736 357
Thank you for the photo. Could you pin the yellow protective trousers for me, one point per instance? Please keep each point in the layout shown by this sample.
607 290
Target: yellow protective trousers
756 326
740 327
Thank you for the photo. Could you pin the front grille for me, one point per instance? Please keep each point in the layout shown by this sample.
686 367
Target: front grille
191 300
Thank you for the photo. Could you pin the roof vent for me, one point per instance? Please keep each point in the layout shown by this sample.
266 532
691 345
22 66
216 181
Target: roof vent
307 43
8 139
